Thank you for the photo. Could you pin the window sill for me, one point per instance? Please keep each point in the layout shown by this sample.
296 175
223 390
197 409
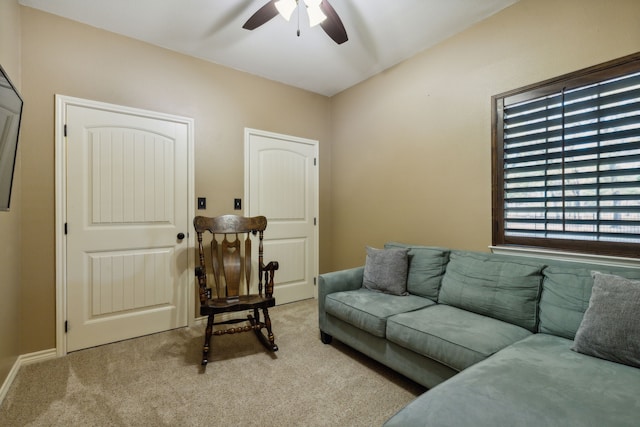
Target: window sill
566 256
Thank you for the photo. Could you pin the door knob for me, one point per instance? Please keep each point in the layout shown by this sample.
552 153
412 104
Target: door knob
180 236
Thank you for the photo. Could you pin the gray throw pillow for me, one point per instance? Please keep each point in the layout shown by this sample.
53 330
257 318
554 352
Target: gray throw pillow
610 328
427 265
385 270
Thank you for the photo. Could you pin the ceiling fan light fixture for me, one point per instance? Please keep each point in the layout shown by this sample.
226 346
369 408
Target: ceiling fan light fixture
316 16
286 8
319 11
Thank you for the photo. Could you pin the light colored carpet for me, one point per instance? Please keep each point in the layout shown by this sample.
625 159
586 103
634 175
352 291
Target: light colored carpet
157 381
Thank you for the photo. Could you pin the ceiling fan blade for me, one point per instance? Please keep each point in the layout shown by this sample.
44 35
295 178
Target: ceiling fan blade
333 25
263 15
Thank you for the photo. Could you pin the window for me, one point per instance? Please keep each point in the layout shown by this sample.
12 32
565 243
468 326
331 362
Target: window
566 162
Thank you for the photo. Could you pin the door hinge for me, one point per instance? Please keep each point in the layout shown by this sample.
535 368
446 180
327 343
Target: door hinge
66 326
65 228
65 130
314 161
315 221
314 281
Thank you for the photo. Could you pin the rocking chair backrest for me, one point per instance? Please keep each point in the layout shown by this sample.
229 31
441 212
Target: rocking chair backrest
228 261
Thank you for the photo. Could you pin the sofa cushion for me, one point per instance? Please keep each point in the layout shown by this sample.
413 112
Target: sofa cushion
610 328
535 382
501 287
565 297
426 267
454 337
369 310
385 270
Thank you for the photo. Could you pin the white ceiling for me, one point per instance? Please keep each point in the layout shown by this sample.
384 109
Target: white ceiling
381 34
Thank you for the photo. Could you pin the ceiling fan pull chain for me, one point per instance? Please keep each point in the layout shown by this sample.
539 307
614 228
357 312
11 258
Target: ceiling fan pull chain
298 18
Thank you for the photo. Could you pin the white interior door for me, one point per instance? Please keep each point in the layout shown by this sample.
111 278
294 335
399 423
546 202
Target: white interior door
127 201
281 180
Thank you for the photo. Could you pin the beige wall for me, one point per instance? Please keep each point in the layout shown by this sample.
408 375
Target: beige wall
411 156
404 156
64 57
10 241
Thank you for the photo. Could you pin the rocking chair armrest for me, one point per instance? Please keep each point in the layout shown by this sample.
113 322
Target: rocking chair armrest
267 272
271 266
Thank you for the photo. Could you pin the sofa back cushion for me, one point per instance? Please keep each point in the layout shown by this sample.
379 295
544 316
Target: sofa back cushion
566 290
427 265
505 288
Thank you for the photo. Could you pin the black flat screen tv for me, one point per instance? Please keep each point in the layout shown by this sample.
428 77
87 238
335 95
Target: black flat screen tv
10 117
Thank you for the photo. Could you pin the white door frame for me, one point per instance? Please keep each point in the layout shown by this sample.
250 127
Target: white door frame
61 103
247 133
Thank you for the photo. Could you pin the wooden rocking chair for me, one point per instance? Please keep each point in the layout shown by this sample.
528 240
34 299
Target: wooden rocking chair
229 264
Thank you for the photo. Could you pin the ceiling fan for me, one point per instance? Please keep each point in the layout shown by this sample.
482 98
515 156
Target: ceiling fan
320 12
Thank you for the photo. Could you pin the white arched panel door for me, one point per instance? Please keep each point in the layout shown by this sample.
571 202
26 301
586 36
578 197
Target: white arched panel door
127 224
281 183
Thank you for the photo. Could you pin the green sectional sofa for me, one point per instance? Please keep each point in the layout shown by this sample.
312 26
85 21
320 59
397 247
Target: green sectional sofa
498 340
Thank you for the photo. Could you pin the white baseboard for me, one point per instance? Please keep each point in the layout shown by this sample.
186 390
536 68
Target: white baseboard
24 359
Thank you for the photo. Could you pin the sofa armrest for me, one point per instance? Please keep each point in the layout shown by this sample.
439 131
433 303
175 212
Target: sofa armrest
337 281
